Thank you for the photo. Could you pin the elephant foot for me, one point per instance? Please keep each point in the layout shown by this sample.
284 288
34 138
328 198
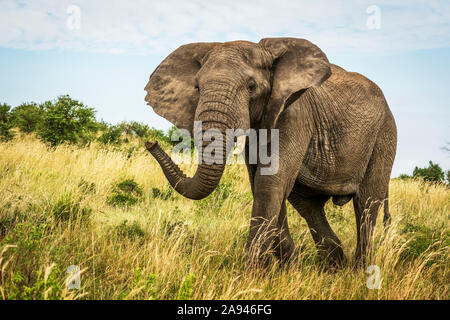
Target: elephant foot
333 258
260 263
360 263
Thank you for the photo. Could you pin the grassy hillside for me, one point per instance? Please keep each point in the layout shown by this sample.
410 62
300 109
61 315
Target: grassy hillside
80 206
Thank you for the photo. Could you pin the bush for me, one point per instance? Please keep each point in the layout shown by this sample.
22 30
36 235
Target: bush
112 135
125 193
66 120
185 292
141 130
27 117
176 136
86 187
5 123
66 207
164 194
43 287
433 173
422 238
155 134
129 230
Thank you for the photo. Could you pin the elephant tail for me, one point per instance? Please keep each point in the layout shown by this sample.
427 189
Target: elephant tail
387 215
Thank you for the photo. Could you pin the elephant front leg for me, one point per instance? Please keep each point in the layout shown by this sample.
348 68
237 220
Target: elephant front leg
272 182
284 246
269 233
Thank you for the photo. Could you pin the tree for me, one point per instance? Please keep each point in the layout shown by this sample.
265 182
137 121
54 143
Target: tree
27 117
176 136
404 176
112 135
67 120
140 129
5 122
433 173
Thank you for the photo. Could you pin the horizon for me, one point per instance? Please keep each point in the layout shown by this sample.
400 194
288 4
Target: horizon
104 57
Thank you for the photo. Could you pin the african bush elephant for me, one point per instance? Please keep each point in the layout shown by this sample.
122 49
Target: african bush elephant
337 136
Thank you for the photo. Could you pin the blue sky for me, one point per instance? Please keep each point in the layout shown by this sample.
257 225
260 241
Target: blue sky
403 46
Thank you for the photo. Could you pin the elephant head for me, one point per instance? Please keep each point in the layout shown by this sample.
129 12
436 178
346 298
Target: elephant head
231 85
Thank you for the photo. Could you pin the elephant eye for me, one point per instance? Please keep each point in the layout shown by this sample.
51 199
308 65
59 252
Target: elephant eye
251 86
197 88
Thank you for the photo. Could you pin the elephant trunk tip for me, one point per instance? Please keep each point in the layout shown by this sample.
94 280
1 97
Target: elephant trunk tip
149 145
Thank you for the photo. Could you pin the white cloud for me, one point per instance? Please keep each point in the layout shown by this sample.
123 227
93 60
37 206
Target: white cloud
140 26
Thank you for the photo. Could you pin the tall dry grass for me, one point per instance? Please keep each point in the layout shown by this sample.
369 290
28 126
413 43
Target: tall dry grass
55 212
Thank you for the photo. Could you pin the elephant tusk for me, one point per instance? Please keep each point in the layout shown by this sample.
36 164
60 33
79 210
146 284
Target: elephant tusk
240 145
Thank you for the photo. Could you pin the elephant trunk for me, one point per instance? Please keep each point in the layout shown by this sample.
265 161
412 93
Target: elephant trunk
211 164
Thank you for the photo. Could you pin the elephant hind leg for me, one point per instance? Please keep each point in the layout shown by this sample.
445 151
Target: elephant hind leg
372 193
366 204
327 243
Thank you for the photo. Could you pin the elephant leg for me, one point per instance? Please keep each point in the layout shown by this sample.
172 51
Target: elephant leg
264 229
272 182
366 205
284 247
327 243
372 193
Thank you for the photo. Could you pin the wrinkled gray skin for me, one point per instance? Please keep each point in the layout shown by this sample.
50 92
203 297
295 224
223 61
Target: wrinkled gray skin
337 135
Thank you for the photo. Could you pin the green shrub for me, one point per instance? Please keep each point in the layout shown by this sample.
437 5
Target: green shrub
186 288
168 226
67 207
164 194
86 187
130 186
129 230
140 129
37 289
112 135
433 173
149 284
27 236
175 137
121 199
66 120
5 123
125 193
27 117
422 238
155 134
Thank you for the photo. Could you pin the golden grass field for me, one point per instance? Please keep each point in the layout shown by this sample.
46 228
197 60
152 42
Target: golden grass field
55 212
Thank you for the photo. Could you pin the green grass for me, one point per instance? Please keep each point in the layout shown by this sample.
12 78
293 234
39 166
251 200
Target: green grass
71 206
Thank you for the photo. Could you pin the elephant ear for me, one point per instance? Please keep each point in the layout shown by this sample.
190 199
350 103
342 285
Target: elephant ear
297 65
171 89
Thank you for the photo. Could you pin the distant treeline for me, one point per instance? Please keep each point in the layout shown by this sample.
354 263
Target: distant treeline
66 120
432 173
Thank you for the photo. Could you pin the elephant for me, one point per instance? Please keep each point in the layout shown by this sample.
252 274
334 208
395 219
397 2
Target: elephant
337 137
